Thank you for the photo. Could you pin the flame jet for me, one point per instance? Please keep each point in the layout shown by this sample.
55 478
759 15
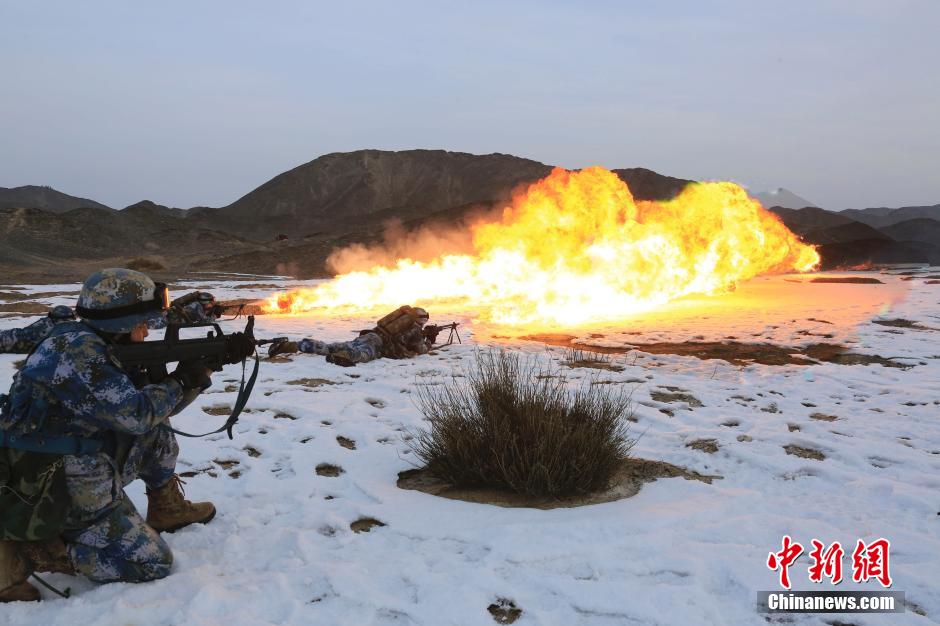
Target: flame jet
576 249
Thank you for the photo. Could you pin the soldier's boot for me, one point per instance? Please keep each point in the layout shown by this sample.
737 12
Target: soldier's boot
339 359
48 556
168 510
282 347
341 355
14 570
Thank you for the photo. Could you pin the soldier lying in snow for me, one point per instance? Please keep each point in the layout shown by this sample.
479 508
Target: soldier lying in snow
398 335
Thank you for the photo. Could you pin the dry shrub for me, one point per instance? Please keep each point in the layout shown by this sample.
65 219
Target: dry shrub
513 424
146 264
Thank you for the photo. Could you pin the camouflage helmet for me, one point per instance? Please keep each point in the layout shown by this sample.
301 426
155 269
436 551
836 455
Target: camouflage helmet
421 315
116 300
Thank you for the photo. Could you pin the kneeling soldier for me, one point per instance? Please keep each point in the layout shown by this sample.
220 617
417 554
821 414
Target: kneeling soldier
74 431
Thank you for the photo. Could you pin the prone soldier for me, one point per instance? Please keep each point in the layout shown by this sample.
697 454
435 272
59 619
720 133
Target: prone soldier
398 335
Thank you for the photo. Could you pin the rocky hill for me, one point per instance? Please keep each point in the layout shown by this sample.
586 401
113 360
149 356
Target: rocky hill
844 242
290 224
922 229
41 245
46 198
343 191
880 217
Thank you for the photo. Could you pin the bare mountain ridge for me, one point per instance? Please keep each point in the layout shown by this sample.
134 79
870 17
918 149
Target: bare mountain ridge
880 217
42 197
332 201
343 198
342 190
922 229
844 242
35 242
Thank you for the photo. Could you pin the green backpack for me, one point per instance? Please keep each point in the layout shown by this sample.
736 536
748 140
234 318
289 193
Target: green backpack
33 496
34 499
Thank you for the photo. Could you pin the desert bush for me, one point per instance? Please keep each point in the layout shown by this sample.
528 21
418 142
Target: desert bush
574 355
510 423
145 264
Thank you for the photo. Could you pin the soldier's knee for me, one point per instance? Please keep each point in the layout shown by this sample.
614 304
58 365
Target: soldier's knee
157 568
154 563
313 346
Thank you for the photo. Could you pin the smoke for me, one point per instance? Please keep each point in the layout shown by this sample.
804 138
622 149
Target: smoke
424 244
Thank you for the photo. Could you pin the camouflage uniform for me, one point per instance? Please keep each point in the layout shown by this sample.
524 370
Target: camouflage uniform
23 340
107 539
364 348
370 346
71 386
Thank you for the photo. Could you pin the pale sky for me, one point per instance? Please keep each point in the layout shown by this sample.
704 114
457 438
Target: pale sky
197 103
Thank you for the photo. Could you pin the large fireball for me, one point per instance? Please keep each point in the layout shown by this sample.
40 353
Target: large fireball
574 249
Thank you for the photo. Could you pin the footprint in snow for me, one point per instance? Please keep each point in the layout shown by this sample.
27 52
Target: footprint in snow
282 468
709 446
365 524
329 470
805 453
349 444
229 464
205 470
504 611
377 402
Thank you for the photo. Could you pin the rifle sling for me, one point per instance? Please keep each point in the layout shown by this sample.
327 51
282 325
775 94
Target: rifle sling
244 392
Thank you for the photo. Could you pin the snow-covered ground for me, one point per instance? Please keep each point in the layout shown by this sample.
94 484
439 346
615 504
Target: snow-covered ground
281 550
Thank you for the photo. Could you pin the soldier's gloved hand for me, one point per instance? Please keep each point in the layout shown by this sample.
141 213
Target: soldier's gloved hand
193 375
238 347
217 311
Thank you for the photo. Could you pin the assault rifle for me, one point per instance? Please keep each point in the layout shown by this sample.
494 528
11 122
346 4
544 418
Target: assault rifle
431 331
213 351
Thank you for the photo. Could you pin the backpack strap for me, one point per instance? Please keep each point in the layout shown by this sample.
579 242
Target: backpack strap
51 445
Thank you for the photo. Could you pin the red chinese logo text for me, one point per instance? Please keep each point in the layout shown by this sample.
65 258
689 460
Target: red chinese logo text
869 561
784 559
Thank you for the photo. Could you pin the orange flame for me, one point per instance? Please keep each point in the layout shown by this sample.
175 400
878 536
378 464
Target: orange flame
574 249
